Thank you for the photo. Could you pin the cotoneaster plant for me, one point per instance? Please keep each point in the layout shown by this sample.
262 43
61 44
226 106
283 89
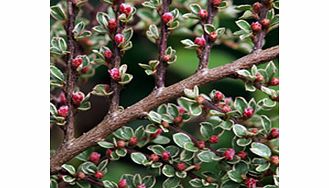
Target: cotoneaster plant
85 37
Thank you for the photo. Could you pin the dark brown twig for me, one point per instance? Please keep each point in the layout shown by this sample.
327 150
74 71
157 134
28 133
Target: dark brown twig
112 122
205 53
162 45
260 36
71 74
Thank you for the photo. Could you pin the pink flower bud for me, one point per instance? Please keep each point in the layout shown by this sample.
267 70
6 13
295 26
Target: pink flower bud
229 154
115 74
167 17
94 157
63 111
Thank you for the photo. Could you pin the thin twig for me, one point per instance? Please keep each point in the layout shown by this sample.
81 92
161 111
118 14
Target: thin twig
116 87
162 45
260 36
71 74
205 52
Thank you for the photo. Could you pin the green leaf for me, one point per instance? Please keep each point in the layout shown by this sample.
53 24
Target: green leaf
276 4
171 183
244 7
206 156
195 109
189 146
241 167
155 117
266 124
161 140
102 18
57 12
239 130
206 130
88 167
109 184
101 90
244 25
69 168
243 142
186 155
68 179
195 8
260 149
240 104
180 139
263 167
128 33
181 174
102 165
270 69
249 87
53 110
168 171
188 43
149 181
105 144
121 152
56 73
157 149
196 182
208 28
137 179
235 176
138 157
53 184
226 125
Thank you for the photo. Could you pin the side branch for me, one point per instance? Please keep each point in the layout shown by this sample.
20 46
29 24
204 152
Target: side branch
114 121
162 45
71 74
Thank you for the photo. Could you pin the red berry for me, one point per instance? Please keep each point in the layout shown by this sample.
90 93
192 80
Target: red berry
242 154
178 119
154 157
216 3
203 14
94 157
121 144
112 24
218 96
165 155
63 111
248 112
275 160
125 8
108 54
274 133
77 97
141 186
84 70
81 175
154 135
181 110
213 139
133 141
256 27
256 7
259 77
119 38
76 62
115 74
226 108
250 182
254 130
166 58
228 100
108 152
167 17
229 154
213 36
274 81
99 175
265 22
123 183
200 41
201 144
181 166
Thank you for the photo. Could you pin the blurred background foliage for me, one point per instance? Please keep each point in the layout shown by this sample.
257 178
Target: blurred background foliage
143 51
